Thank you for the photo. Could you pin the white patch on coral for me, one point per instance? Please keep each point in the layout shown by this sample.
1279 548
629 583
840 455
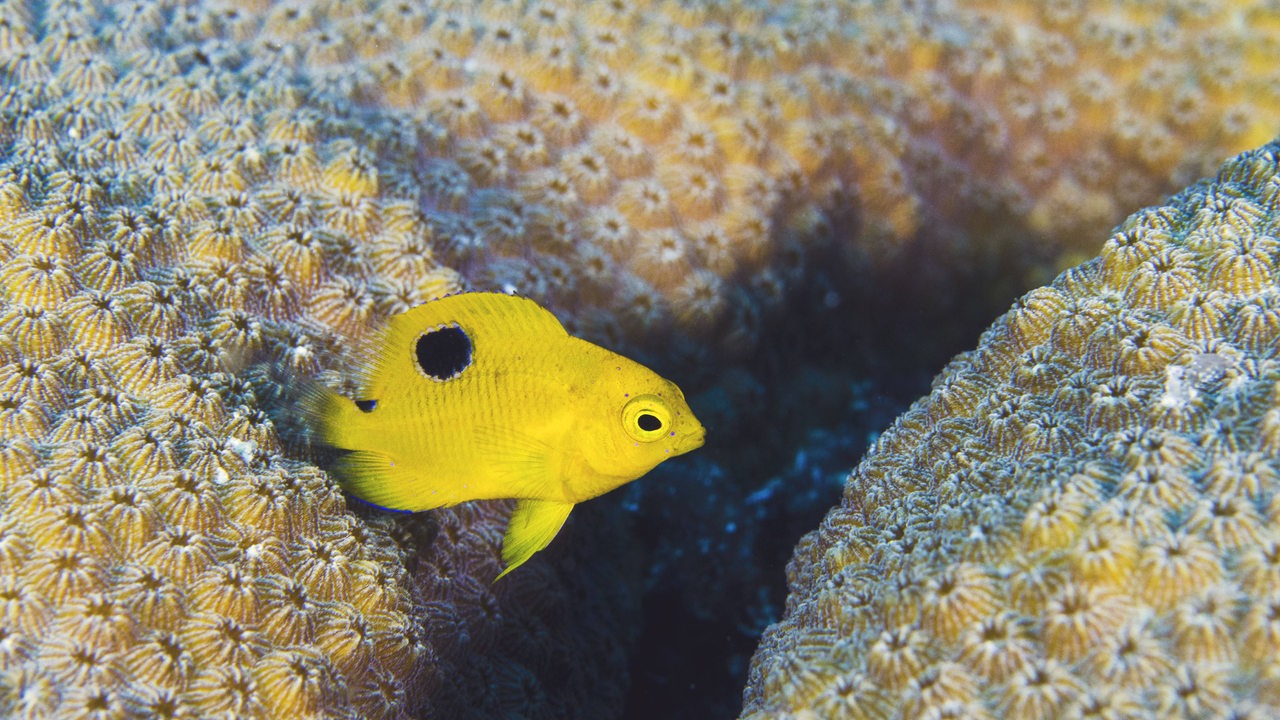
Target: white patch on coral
977 534
1180 383
244 448
1177 391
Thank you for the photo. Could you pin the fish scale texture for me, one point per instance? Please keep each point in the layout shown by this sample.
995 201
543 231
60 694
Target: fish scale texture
1080 520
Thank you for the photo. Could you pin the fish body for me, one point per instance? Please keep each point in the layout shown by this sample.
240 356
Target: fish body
485 396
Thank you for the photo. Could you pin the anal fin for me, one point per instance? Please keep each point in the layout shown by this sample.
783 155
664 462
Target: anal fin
533 526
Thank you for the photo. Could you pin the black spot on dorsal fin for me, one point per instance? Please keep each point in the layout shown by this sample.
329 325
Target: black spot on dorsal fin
443 353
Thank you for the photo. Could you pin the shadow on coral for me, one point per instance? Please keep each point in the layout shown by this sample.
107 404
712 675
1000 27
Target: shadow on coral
784 427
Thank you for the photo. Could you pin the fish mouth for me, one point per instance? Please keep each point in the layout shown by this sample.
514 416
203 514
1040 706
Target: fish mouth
692 441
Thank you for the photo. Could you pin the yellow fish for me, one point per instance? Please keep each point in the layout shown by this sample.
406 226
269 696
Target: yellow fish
482 396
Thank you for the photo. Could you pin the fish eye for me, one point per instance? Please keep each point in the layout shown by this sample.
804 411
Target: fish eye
645 418
443 353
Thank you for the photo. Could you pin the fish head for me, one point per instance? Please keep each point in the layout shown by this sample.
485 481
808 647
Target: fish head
641 420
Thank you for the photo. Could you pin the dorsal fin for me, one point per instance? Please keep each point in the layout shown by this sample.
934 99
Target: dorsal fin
484 317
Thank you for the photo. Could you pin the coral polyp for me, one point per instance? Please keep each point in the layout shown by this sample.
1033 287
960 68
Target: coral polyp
170 228
1140 572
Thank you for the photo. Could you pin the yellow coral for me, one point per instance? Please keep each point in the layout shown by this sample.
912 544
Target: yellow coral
1141 573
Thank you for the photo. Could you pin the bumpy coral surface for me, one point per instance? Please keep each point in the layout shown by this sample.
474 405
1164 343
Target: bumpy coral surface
671 172
1080 520
186 221
199 202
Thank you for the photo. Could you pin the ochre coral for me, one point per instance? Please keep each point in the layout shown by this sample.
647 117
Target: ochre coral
710 158
1126 569
182 229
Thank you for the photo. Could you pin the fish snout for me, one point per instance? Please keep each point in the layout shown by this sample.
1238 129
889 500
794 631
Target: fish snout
691 440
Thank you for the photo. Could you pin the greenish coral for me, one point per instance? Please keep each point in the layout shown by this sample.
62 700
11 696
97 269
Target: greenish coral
1080 519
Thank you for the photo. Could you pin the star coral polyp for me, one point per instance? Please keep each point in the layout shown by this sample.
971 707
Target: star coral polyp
1140 573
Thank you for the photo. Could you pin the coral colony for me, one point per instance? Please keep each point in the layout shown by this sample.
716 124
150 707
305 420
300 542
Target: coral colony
1080 518
200 201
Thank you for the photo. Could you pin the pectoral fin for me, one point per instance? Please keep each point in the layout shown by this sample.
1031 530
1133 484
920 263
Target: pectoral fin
520 463
532 527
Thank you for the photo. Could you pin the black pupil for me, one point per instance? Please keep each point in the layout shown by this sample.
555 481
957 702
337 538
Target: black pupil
444 353
649 423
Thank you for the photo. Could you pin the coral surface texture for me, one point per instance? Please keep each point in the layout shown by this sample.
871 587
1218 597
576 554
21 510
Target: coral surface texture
203 204
1080 520
187 224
